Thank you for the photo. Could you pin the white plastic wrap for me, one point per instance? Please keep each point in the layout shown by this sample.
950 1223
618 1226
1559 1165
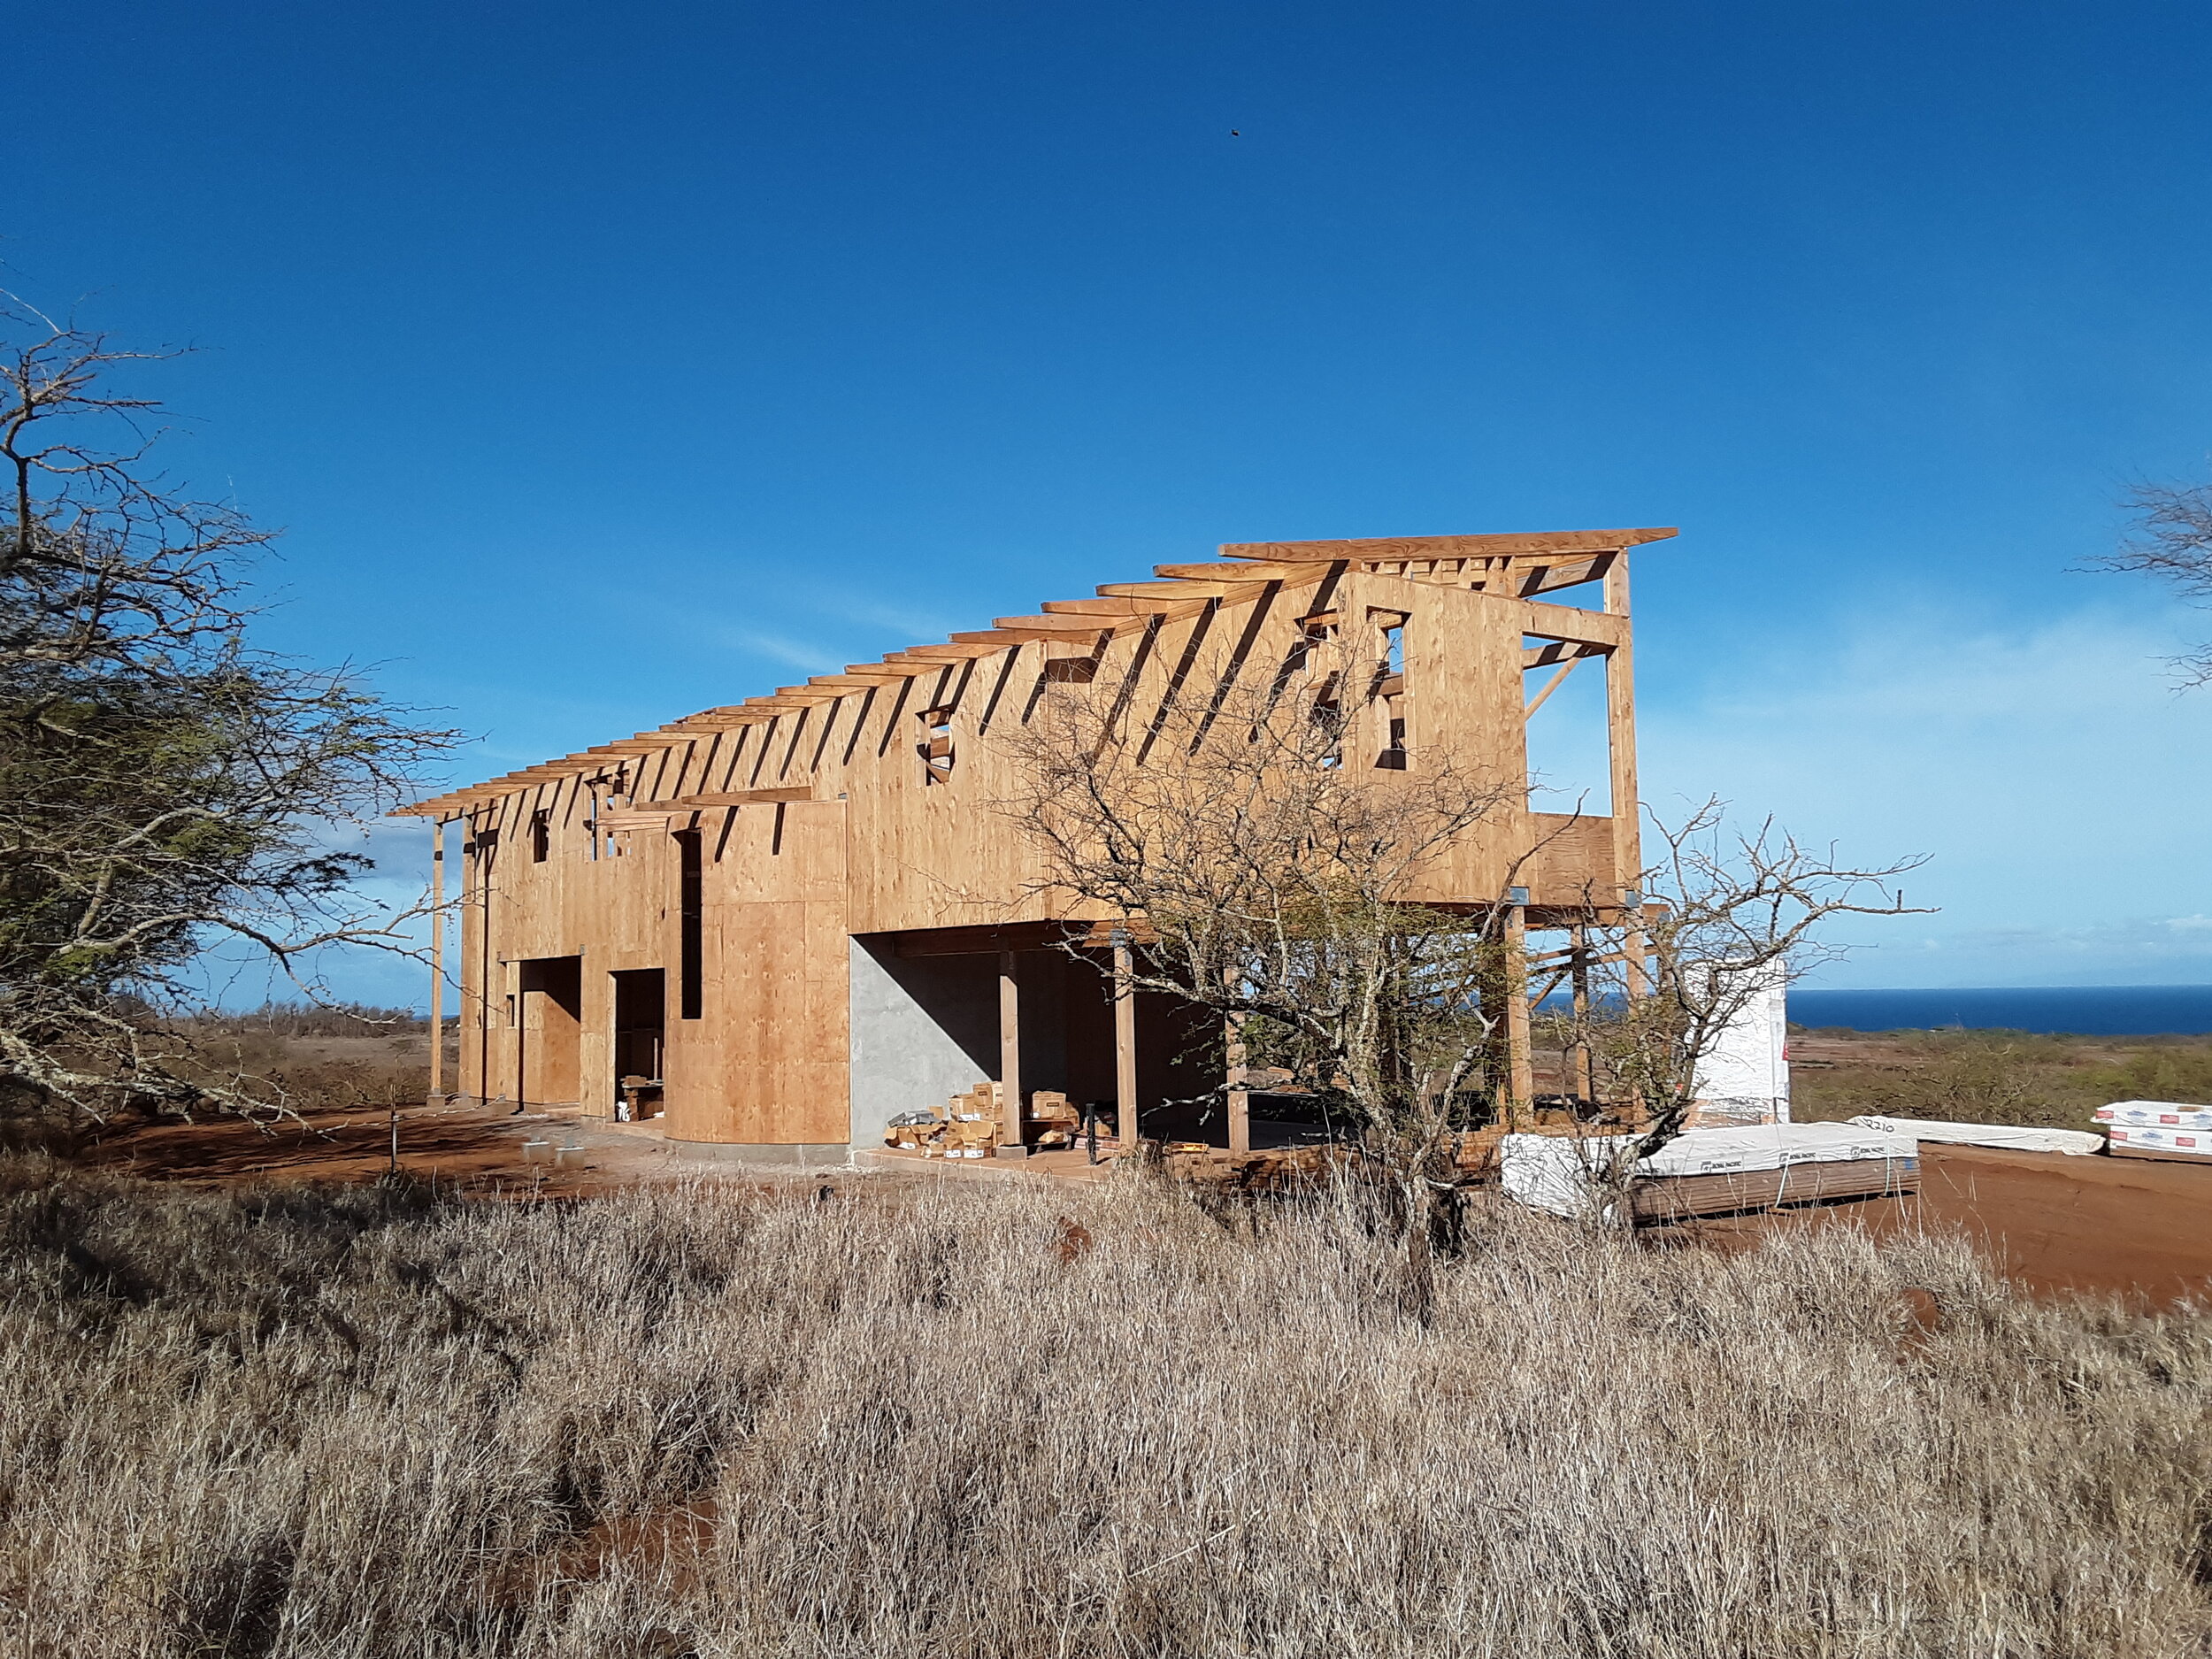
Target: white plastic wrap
1745 1075
1557 1172
2159 1114
2181 1142
2009 1137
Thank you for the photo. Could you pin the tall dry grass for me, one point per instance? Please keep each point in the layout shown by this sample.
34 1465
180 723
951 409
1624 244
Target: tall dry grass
907 1420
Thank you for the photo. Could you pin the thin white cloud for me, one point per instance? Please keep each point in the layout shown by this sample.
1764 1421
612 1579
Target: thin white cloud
2059 784
812 656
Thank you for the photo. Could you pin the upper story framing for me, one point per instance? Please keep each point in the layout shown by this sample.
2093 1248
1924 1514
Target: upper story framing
1475 632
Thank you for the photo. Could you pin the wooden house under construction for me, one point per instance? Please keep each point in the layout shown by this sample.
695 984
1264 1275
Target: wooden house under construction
781 923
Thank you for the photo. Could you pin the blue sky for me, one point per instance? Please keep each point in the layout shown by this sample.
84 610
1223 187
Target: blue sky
605 365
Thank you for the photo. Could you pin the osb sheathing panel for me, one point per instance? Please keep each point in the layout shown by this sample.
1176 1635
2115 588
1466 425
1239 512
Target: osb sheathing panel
766 1060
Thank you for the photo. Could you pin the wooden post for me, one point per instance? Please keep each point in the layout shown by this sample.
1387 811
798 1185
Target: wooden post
1239 1097
1580 960
437 963
1620 735
1518 1062
1009 1051
1124 1043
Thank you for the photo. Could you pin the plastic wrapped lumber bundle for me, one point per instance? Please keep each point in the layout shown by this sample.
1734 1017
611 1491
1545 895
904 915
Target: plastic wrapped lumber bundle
2156 1114
1712 1171
2157 1141
2007 1137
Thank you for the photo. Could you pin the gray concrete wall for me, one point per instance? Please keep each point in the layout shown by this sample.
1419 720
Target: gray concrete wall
924 1029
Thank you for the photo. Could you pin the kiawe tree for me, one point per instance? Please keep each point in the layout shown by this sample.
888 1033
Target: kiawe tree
1722 917
2170 541
1266 883
164 786
1261 880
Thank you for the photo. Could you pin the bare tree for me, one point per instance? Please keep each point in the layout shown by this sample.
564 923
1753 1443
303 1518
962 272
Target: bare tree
2171 541
1267 883
1721 916
165 785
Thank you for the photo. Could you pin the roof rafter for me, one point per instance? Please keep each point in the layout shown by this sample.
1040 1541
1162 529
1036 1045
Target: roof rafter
1429 547
1514 567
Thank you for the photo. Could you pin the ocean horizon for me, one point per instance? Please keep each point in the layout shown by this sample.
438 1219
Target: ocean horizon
2095 1011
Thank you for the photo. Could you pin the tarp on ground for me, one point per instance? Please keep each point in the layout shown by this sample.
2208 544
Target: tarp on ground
1562 1174
2010 1137
2162 1114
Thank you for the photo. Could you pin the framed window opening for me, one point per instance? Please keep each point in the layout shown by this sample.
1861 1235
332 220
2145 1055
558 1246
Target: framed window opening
936 747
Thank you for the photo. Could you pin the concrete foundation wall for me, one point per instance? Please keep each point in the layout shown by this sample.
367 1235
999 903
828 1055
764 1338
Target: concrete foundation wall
923 1029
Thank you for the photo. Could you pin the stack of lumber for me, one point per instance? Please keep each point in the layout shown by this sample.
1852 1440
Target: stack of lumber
2158 1128
1711 1172
2005 1137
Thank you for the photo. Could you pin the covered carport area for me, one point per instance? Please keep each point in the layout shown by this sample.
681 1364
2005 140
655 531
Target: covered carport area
1033 1006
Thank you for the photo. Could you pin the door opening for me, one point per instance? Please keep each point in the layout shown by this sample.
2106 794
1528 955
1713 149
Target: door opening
641 1026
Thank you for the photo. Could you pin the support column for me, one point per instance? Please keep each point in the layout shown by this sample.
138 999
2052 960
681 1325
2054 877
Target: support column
1239 1097
1009 1052
1519 1063
437 963
1620 735
1124 1043
1580 961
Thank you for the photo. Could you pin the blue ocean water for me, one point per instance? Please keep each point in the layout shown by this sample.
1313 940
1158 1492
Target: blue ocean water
2096 1010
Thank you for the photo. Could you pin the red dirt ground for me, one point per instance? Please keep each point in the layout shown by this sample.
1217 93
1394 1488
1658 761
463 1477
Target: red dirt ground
2136 1228
475 1148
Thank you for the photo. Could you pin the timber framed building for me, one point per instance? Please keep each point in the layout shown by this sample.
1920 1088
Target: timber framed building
791 917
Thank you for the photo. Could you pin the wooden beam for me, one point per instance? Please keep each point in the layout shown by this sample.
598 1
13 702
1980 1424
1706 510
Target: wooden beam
1122 611
437 965
1520 1061
1009 1051
1550 686
1566 622
946 653
1580 972
1238 1097
1166 590
1432 547
1560 574
850 682
1558 651
1620 733
690 721
737 797
1065 628
1125 1046
986 939
881 672
1254 574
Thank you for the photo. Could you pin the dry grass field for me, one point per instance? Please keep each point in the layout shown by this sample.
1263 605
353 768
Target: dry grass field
935 1418
2010 1077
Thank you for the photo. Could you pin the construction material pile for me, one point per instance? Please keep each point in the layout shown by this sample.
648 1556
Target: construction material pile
2166 1128
1710 1171
1058 1122
966 1127
2005 1137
